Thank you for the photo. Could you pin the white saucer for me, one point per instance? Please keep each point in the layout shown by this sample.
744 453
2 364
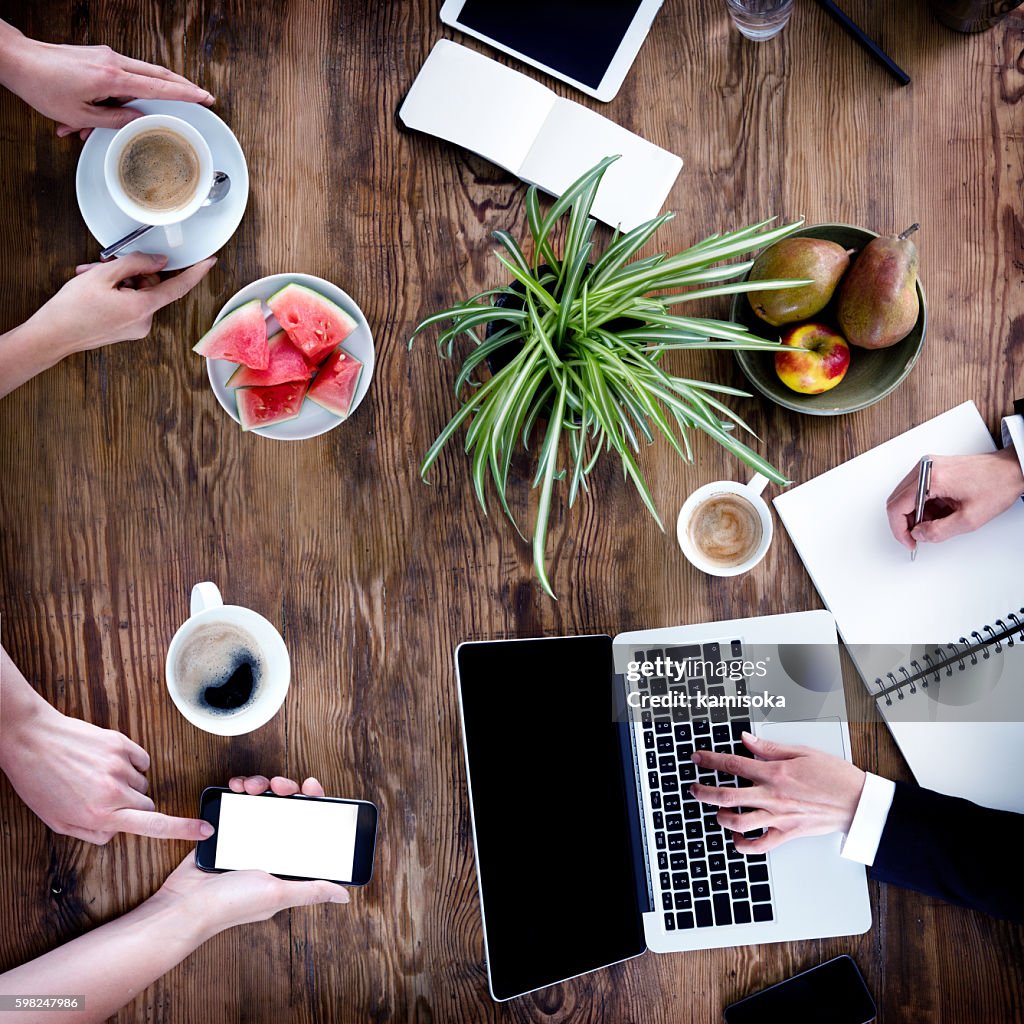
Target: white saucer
205 231
313 419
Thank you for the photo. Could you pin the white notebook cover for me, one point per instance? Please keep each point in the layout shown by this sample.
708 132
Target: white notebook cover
466 98
838 524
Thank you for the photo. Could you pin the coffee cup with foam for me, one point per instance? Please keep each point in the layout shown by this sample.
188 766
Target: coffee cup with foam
725 527
158 170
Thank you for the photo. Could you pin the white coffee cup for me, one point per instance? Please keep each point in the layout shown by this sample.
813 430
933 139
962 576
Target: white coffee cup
170 220
208 608
749 492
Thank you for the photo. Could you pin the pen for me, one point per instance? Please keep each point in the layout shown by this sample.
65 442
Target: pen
924 483
853 29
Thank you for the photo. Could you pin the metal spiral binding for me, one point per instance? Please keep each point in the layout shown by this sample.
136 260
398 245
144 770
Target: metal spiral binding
995 638
958 655
971 652
932 663
1003 627
981 642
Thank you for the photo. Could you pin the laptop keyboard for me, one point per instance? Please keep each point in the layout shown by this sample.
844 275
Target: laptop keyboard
703 880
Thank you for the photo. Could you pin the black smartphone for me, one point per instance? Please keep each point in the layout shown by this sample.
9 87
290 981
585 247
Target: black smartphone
833 992
294 837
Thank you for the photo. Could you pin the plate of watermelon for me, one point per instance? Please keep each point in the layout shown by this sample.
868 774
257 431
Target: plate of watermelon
289 356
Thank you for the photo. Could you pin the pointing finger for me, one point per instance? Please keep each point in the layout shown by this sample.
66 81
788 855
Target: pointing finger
237 784
162 826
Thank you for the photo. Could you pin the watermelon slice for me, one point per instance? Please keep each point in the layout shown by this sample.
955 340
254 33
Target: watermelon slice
240 337
263 407
336 383
314 323
286 364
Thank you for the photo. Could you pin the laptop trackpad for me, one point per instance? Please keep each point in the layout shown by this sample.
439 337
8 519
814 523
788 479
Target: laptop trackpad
824 734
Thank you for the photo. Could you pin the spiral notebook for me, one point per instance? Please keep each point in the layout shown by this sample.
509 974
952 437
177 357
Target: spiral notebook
939 642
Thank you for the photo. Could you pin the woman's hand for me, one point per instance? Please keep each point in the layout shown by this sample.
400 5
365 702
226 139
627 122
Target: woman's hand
797 791
82 87
224 900
966 492
109 302
102 304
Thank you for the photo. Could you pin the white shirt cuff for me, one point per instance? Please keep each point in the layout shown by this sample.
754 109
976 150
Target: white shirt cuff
1013 434
861 843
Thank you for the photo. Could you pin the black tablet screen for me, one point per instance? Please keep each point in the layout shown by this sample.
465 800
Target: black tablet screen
577 38
550 807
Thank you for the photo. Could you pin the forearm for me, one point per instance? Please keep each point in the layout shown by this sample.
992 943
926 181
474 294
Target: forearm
110 965
20 706
25 352
11 41
930 844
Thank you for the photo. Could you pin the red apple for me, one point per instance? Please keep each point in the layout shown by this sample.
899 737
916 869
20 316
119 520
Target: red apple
816 359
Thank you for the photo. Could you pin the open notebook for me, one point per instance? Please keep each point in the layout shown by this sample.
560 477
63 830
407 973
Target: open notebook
910 626
462 96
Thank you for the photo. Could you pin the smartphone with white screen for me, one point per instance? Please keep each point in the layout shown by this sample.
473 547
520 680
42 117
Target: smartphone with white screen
294 837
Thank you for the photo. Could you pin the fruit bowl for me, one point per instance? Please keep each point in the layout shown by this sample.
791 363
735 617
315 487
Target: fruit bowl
313 420
873 373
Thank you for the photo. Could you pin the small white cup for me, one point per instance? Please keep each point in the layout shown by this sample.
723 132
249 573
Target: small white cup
208 607
750 492
169 220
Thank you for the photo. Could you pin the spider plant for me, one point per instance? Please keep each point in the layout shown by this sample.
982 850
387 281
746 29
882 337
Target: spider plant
586 338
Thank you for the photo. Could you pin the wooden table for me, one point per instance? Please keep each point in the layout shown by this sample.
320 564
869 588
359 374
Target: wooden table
125 483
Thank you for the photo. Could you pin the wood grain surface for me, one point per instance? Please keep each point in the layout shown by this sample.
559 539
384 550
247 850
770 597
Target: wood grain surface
123 482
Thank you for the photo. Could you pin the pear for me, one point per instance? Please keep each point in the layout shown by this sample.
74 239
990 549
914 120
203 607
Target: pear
814 259
878 304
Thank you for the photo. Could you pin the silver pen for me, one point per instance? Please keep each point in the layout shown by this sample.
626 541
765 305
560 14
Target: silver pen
924 483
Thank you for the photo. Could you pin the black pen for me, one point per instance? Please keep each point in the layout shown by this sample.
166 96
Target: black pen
866 41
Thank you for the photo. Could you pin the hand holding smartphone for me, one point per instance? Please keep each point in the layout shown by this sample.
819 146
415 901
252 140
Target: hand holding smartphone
295 837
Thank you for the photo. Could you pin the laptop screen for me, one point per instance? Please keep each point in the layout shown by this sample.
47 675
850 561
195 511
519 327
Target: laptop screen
553 829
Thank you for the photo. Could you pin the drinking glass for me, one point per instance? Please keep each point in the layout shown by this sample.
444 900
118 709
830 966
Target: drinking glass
760 19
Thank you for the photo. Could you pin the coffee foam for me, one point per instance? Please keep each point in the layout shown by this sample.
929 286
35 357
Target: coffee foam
159 170
725 529
209 657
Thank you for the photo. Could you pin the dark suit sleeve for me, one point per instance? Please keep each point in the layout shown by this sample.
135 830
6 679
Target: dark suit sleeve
947 847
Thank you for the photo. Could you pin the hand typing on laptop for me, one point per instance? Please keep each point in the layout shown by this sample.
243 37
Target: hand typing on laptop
966 492
797 791
910 836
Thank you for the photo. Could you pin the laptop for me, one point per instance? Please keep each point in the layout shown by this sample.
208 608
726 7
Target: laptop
589 848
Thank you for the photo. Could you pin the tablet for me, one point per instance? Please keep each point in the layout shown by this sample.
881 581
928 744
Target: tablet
590 44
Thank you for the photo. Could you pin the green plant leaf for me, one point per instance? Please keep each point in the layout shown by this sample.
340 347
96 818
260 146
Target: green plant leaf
549 460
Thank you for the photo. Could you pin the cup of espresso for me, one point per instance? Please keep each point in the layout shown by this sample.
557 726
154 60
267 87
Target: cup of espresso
227 667
158 170
725 528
